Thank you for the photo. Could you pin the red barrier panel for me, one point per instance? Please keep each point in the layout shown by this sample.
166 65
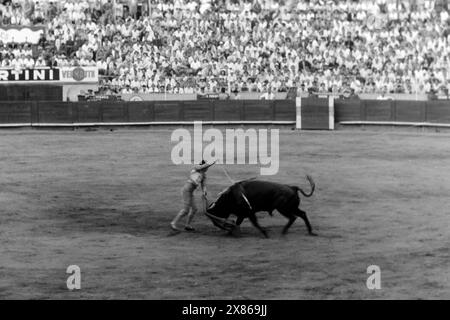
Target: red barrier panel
168 111
261 110
315 113
87 112
438 111
347 110
228 110
377 110
142 111
114 112
15 112
54 112
409 111
197 111
284 110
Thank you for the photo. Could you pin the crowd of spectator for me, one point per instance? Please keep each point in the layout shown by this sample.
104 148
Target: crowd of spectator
185 46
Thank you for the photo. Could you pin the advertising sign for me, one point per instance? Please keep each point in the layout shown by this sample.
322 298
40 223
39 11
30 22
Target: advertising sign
41 75
79 74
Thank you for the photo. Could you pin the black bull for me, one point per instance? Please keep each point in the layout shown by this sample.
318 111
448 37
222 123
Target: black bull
244 199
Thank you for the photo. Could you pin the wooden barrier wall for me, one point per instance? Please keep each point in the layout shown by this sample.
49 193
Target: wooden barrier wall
42 113
52 112
392 111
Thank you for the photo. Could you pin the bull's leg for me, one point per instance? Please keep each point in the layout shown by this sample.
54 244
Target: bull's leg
236 231
239 220
289 224
291 219
254 221
302 214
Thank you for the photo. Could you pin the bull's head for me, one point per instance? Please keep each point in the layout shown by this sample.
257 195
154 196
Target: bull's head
220 210
222 206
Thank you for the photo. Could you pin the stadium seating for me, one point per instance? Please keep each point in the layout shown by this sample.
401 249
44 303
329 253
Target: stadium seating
186 46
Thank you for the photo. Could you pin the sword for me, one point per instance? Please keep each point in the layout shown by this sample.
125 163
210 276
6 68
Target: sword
232 180
227 175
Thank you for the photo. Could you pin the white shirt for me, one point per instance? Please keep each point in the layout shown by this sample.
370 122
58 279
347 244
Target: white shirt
196 178
267 96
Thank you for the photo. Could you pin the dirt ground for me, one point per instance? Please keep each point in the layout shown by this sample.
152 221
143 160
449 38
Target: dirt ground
103 200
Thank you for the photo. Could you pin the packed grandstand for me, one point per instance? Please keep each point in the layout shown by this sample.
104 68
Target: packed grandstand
189 46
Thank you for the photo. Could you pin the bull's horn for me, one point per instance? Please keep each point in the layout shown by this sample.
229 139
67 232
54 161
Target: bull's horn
211 205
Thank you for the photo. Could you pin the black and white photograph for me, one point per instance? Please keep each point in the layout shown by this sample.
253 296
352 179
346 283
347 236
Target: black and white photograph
242 151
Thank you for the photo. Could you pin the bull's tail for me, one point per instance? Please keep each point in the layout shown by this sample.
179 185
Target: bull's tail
311 183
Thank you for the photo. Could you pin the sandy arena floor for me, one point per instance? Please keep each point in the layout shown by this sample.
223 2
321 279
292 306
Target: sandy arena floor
103 200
